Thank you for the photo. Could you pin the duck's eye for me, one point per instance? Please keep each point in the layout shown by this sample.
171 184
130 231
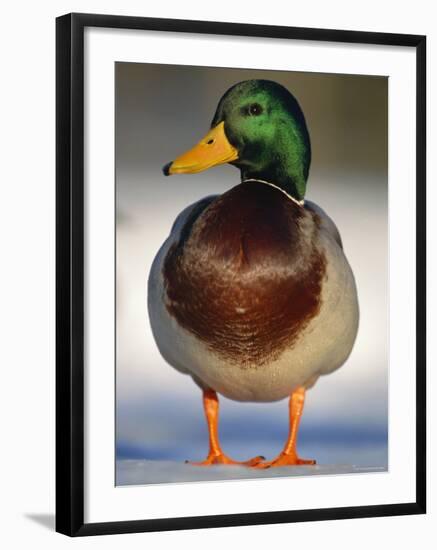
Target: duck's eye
255 109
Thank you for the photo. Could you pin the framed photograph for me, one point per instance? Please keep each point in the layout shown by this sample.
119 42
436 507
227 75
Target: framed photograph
240 274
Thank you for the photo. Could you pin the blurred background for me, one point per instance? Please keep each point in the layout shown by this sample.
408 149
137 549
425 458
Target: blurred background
161 111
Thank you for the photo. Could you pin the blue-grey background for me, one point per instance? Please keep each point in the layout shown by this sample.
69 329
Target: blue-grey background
160 112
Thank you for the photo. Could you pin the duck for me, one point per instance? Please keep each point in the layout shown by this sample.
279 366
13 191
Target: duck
252 294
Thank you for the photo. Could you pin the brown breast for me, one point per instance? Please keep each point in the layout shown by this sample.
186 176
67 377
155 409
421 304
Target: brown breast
245 277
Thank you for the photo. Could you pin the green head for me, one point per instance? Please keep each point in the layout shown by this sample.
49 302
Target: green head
260 128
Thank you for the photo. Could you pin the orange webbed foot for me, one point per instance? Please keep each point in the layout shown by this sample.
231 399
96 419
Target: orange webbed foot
285 459
219 459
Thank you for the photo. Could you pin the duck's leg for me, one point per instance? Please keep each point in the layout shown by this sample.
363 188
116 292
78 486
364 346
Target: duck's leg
289 456
216 455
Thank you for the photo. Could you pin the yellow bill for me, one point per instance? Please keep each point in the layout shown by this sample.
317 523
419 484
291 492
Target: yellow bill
212 150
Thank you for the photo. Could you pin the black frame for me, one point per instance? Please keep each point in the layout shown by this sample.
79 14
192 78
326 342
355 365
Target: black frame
70 277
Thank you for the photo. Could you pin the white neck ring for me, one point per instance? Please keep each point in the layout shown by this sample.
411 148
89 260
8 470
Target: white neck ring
300 203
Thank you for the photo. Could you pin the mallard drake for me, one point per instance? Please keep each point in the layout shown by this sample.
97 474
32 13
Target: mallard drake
251 294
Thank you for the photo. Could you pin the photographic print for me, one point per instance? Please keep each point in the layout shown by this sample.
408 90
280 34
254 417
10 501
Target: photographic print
240 274
251 273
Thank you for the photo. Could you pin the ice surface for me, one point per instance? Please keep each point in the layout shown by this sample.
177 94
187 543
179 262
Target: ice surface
144 472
